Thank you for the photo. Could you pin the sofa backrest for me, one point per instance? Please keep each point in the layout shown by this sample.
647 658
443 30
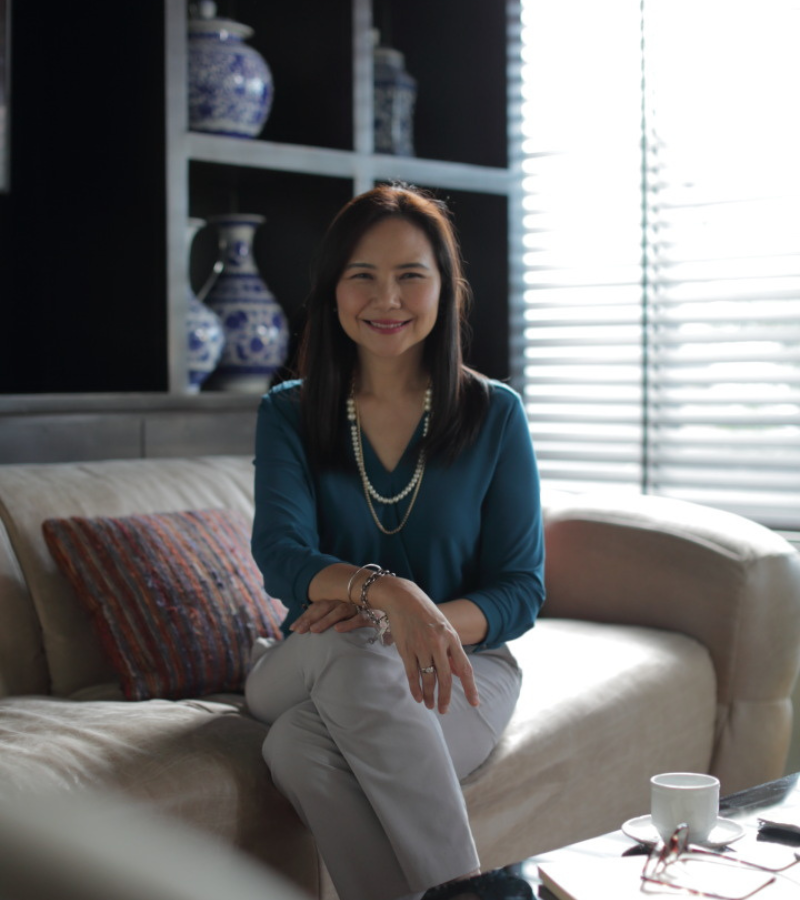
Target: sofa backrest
47 644
23 665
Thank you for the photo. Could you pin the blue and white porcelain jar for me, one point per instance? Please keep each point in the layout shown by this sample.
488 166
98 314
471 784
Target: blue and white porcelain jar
256 328
230 83
205 336
395 93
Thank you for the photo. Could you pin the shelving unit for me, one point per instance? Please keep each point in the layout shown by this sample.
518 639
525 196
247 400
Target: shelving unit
315 152
458 52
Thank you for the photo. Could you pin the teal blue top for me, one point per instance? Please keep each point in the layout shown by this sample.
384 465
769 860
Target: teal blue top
475 531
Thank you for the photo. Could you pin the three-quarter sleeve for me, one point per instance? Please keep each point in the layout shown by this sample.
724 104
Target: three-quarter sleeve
285 541
510 589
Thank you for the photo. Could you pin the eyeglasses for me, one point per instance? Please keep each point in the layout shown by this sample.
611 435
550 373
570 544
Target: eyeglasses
706 873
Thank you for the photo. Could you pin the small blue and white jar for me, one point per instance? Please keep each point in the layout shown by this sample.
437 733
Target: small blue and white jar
204 333
394 93
230 84
255 326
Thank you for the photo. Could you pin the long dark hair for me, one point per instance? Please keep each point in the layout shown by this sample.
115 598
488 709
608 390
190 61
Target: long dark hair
327 357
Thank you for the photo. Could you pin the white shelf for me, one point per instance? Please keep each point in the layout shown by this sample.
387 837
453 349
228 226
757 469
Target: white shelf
260 154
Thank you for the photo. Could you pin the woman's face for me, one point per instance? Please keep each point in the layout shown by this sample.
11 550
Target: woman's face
388 294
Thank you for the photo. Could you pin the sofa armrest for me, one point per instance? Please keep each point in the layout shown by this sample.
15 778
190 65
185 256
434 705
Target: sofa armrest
726 581
92 845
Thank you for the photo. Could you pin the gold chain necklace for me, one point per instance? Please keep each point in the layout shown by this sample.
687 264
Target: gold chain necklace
369 491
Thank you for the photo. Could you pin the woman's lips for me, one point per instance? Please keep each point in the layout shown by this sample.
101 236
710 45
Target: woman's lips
386 326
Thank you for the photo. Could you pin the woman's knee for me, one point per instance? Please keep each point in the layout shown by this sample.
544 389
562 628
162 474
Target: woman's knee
283 742
297 744
281 757
354 665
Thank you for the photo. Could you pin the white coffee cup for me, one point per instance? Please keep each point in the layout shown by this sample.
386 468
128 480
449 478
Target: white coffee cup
678 798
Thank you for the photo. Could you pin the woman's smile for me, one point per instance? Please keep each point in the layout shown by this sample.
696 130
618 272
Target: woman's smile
387 326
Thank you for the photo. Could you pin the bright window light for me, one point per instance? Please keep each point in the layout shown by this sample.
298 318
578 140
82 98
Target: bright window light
659 313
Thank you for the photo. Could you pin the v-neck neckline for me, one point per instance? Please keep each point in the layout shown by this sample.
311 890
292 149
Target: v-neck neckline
403 462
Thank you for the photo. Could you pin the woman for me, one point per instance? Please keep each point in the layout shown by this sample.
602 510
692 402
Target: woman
397 517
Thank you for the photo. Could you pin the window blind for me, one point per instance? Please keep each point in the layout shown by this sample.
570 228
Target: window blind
657 333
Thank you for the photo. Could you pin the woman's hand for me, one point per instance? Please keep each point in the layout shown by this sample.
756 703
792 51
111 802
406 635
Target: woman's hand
424 637
425 634
325 614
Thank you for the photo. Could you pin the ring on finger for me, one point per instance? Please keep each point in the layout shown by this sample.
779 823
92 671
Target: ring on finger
428 670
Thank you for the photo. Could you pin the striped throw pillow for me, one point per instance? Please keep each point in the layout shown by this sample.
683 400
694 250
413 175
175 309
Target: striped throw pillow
176 598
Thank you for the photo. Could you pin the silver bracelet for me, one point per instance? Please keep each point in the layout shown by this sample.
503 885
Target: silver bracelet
375 568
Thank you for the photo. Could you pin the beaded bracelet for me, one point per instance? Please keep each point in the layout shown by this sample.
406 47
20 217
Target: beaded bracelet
381 622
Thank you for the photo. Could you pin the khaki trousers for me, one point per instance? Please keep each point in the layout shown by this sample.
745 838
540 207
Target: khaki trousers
372 773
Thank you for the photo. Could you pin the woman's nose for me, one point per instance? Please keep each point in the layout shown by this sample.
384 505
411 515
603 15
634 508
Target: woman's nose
387 294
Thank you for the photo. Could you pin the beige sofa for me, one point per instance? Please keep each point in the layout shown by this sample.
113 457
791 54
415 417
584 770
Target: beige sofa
669 642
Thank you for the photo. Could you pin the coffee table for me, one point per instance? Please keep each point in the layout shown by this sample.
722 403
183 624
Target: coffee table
744 807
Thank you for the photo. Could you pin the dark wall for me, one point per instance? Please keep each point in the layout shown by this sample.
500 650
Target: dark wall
82 258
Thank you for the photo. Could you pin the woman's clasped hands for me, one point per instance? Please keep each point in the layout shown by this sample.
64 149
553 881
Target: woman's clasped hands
427 642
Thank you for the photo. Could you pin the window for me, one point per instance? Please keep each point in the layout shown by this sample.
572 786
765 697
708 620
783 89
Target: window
658 323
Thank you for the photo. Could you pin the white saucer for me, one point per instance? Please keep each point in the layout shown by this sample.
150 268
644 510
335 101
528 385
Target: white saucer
641 829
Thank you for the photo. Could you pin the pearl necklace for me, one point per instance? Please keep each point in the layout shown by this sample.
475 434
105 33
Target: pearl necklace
358 451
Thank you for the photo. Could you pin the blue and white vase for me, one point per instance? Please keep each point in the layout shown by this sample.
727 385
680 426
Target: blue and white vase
395 93
256 328
206 338
230 83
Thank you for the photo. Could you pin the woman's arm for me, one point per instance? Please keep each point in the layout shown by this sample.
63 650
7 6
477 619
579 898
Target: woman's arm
509 589
285 542
423 633
331 584
467 619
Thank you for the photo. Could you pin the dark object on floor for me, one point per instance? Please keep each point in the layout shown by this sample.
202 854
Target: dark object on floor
496 885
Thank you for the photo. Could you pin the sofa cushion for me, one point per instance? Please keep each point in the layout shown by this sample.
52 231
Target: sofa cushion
603 707
176 598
